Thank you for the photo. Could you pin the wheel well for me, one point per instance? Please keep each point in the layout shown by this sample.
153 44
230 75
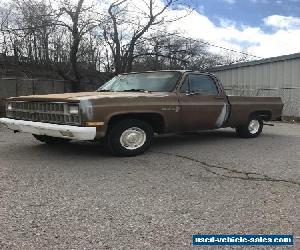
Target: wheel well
265 115
156 121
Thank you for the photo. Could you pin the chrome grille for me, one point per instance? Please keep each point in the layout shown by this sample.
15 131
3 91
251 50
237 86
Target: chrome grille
51 112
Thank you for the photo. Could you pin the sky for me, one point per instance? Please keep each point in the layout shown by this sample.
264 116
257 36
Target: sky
264 28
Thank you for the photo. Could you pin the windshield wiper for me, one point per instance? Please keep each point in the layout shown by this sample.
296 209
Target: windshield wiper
136 90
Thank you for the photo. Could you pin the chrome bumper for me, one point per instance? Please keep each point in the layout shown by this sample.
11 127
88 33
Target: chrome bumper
54 130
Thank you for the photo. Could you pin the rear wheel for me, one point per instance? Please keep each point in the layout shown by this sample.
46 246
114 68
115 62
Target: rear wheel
50 139
130 137
252 129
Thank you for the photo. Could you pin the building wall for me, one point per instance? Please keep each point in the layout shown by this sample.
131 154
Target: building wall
278 78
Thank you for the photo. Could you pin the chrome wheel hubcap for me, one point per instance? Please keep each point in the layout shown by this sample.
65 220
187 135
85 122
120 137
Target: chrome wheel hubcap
253 126
133 138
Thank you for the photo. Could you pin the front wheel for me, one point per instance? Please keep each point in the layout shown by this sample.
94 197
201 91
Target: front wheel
130 137
251 130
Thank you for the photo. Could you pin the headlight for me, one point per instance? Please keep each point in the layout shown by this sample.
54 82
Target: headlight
9 106
74 110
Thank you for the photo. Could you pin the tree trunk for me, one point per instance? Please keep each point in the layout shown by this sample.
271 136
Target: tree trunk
73 62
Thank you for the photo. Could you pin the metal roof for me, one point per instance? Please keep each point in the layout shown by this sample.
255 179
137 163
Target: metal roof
257 62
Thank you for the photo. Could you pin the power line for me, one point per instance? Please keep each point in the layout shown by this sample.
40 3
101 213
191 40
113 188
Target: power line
220 47
27 28
17 29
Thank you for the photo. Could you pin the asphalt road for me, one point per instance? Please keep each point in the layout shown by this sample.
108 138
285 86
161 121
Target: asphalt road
79 197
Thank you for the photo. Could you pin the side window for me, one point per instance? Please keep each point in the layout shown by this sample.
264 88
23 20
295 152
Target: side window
185 86
202 84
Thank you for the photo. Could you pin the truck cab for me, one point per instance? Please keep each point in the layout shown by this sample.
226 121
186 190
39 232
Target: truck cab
202 94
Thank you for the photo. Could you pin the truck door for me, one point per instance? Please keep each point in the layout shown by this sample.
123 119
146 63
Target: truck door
203 105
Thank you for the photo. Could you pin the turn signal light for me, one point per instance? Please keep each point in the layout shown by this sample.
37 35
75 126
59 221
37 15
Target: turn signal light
94 124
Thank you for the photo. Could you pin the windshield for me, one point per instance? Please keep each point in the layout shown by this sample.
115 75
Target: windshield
152 81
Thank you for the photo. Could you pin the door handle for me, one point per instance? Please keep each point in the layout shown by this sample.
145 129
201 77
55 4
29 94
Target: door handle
219 97
192 93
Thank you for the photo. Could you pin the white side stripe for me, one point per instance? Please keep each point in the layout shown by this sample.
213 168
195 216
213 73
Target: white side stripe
222 116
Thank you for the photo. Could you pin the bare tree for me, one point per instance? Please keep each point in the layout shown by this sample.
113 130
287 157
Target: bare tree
165 50
80 24
79 40
4 25
34 21
122 40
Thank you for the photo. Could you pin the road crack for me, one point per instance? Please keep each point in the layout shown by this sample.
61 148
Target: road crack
229 172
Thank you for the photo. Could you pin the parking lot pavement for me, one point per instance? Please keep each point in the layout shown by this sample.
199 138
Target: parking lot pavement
77 196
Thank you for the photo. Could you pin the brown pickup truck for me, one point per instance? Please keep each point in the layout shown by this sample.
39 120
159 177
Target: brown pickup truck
130 108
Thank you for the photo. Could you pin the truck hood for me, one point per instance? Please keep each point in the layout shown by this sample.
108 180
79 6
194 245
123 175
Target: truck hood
87 96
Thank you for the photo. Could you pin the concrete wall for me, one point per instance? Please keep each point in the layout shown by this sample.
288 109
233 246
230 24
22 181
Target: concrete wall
274 78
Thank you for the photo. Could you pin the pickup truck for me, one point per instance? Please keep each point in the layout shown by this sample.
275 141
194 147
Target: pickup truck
131 108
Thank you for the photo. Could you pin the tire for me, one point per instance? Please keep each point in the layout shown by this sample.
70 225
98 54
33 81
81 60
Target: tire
51 140
252 129
129 137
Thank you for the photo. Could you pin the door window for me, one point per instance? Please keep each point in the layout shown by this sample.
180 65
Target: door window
202 84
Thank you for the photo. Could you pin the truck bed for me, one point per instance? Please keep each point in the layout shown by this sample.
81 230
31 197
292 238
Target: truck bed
242 107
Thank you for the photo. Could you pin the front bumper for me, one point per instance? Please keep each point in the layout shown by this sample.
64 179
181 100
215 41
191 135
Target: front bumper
49 129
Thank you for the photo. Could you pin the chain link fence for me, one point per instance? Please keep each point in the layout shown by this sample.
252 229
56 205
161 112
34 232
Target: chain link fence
18 87
12 86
